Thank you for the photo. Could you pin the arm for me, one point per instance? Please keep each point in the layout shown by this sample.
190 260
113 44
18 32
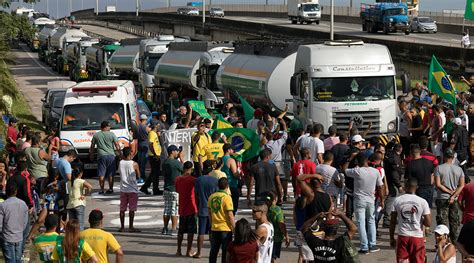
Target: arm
445 254
44 155
233 167
93 259
351 227
190 117
91 150
119 256
441 187
136 168
463 250
320 158
279 186
283 114
261 233
393 223
88 187
427 220
456 193
117 146
285 233
249 192
381 193
230 215
305 188
364 134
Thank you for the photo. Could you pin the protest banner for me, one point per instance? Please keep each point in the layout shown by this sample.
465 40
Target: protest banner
181 137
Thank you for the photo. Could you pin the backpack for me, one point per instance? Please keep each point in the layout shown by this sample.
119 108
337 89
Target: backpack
349 252
59 249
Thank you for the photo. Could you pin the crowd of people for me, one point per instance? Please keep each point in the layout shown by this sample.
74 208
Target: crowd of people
367 182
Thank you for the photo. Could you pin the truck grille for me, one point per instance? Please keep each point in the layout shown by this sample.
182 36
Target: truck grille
312 15
342 119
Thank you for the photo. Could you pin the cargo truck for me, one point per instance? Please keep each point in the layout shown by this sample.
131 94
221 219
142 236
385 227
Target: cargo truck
76 58
97 59
59 41
302 11
386 17
190 69
338 82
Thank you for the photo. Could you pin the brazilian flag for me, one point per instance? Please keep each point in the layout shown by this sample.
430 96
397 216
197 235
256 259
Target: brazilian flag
221 123
469 12
246 142
440 83
248 109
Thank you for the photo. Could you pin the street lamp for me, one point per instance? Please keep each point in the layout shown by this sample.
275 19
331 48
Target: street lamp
331 33
203 12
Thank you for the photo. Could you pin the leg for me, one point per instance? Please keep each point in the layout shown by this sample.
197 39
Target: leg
101 170
200 244
133 205
442 211
142 160
101 183
180 241
360 213
156 178
370 214
131 216
189 246
226 238
39 222
174 222
80 210
349 206
216 241
454 220
235 198
122 221
111 170
166 220
149 179
284 184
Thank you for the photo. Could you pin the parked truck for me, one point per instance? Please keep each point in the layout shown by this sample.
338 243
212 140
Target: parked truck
386 17
43 38
338 82
59 41
97 59
76 58
302 11
190 68
124 61
38 24
260 72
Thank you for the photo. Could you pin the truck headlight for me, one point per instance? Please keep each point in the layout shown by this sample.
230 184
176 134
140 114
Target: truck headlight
391 127
390 19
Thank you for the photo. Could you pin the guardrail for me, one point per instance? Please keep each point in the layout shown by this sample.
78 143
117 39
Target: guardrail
123 28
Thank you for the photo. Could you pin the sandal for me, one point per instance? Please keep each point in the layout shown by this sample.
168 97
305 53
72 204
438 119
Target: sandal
134 230
110 191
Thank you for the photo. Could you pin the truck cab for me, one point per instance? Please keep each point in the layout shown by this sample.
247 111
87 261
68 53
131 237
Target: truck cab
304 11
76 57
97 59
388 17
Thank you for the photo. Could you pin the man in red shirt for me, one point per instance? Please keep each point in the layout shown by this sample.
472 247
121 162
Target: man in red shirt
12 136
303 166
187 207
466 203
425 154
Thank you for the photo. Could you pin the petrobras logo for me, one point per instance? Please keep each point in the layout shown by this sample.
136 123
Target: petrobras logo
355 68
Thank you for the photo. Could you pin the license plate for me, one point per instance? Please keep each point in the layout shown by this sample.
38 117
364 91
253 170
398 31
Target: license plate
90 166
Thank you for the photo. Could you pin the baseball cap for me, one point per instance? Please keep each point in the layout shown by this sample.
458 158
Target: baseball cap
441 230
172 148
143 117
357 138
457 121
427 99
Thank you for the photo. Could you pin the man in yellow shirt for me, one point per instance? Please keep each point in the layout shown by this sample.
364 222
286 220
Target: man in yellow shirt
221 218
214 150
100 240
45 243
154 153
198 141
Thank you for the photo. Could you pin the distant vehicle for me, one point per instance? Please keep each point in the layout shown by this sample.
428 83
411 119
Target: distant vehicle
216 12
188 11
53 102
110 8
301 11
423 24
388 17
194 4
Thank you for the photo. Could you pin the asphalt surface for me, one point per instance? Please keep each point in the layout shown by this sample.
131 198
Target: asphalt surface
149 245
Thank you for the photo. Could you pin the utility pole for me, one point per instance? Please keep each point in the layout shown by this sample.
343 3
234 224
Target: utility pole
82 4
96 7
203 12
47 7
331 34
70 7
116 5
57 9
136 8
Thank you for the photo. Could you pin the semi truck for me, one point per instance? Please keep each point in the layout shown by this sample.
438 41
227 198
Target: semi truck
302 11
190 69
76 58
260 72
43 38
124 62
97 59
59 41
386 17
335 83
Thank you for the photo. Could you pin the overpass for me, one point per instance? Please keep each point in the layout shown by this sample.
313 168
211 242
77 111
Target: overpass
409 52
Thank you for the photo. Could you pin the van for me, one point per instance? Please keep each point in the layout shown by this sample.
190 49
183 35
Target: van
87 105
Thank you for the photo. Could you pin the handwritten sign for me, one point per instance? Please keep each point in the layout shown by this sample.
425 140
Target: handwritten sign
199 107
181 137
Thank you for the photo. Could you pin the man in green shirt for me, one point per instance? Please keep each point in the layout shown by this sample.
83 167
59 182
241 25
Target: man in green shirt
106 142
172 168
45 243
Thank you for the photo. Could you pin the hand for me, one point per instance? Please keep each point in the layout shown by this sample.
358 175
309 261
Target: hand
400 190
30 211
463 78
393 242
452 199
337 213
181 155
287 240
286 107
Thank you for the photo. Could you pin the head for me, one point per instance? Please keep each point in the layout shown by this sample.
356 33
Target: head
202 128
208 166
12 122
398 148
441 233
380 148
448 155
233 112
71 238
403 106
258 114
361 160
162 117
70 155
265 155
35 141
415 151
317 130
77 171
29 135
328 157
357 141
259 212
471 109
271 199
332 131
305 153
143 118
96 218
228 149
183 110
424 143
54 132
471 79
127 153
208 123
450 115
51 222
376 158
215 136
414 111
411 185
173 151
12 189
330 227
105 126
243 232
343 138
188 168
223 183
239 124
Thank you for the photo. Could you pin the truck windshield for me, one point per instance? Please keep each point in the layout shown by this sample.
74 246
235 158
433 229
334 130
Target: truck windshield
353 88
425 20
89 116
150 63
395 12
311 8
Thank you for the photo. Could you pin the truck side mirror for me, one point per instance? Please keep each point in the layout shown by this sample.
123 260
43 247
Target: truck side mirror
322 8
198 72
405 83
294 85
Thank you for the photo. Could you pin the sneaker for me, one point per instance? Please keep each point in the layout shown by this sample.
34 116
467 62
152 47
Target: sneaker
172 233
110 191
145 191
164 231
140 181
101 192
363 252
374 249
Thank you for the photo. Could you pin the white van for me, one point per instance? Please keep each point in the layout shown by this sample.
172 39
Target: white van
87 105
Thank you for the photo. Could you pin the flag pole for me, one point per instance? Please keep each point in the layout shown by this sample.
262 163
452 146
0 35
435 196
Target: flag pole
463 22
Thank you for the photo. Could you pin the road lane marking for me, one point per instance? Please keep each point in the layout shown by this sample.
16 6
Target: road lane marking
39 64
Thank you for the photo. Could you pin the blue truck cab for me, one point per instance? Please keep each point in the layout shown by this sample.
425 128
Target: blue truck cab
386 17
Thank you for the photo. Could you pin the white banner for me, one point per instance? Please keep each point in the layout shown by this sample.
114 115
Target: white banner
180 138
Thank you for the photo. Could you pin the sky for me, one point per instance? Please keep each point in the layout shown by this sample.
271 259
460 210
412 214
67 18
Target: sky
61 7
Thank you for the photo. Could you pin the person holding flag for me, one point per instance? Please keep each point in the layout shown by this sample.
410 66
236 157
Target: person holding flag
440 84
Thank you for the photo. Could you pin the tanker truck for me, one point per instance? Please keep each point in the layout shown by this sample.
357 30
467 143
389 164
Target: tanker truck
150 51
43 37
260 72
76 58
97 59
335 83
124 61
190 68
59 41
38 24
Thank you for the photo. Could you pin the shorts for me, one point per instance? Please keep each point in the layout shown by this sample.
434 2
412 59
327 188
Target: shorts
204 225
411 248
171 203
280 169
106 166
437 149
276 249
130 200
187 224
303 247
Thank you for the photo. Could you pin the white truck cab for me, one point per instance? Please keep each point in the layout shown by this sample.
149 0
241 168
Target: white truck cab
87 105
302 11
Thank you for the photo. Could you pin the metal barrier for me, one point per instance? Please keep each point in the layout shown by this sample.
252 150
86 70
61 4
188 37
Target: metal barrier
119 27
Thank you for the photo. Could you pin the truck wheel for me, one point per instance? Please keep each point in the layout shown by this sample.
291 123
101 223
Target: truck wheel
317 22
309 22
407 32
364 27
385 31
293 21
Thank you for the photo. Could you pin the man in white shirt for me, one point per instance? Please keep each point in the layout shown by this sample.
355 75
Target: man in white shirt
253 123
465 41
411 212
314 144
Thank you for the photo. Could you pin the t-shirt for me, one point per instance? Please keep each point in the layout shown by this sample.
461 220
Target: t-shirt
218 174
275 147
100 241
330 175
205 186
321 203
465 40
275 216
244 253
75 194
142 136
214 151
105 141
466 237
45 245
449 175
233 181
155 142
11 133
467 195
341 152
329 142
302 167
198 142
172 168
409 209
185 188
365 181
264 174
315 146
421 169
64 168
220 203
86 254
325 250
128 177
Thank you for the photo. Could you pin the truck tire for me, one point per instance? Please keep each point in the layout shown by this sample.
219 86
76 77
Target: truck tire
364 27
293 21
309 22
317 22
407 32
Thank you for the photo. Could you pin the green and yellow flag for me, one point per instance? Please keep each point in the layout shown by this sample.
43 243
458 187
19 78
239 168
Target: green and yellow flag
246 142
221 123
469 12
440 83
248 109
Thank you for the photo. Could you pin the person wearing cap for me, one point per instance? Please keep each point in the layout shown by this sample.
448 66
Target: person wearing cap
330 247
257 116
445 250
154 153
100 240
410 212
12 136
172 168
107 143
142 137
449 180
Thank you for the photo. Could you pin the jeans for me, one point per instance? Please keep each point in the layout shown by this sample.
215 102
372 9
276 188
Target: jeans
142 160
12 252
349 205
219 239
154 174
365 211
77 213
